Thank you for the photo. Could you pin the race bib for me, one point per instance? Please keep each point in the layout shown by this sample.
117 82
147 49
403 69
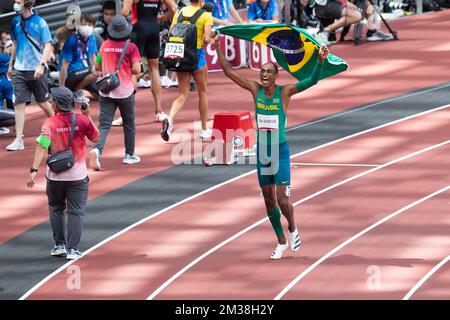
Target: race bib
174 51
267 122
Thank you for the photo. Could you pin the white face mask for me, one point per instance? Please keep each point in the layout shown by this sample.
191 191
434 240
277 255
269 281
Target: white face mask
86 31
18 8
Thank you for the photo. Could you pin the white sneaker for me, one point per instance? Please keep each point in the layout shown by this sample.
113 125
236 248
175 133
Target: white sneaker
118 122
164 81
143 84
167 127
380 36
160 116
80 97
323 37
206 134
16 145
73 254
59 250
131 159
4 130
94 159
278 253
294 240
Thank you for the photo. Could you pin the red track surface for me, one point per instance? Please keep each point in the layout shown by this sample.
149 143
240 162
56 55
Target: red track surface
377 70
136 263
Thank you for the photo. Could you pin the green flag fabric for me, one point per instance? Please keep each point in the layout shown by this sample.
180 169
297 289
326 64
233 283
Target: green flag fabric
294 49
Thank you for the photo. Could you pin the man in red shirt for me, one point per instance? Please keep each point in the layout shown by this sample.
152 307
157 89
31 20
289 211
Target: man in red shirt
71 186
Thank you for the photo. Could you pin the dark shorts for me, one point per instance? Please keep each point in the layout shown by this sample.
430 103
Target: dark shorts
25 84
332 10
146 38
75 77
273 164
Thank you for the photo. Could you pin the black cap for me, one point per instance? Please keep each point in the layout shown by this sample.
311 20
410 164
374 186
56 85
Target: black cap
63 98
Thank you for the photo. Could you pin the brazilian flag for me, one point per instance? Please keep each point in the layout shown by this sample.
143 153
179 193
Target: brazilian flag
294 49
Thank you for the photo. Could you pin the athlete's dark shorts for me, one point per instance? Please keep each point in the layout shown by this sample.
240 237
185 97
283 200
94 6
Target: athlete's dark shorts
332 10
25 84
273 164
75 77
146 38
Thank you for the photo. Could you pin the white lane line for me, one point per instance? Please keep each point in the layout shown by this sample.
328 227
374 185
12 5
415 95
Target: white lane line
43 281
333 164
365 107
348 241
426 277
222 244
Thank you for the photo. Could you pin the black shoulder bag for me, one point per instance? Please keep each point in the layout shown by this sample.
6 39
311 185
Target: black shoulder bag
63 160
111 81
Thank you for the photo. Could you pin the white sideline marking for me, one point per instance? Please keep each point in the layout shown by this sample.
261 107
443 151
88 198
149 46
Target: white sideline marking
348 241
334 164
425 278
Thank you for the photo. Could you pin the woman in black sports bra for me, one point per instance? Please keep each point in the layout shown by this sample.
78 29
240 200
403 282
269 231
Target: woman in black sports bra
146 19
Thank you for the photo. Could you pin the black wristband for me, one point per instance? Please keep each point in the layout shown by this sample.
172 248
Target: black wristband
33 170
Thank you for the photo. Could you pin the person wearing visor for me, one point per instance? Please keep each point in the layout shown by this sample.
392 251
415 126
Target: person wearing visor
77 62
66 190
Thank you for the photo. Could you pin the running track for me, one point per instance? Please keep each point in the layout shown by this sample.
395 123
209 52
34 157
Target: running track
140 275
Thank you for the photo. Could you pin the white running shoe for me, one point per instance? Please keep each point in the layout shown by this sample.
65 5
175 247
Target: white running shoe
294 240
80 97
171 83
323 37
164 81
16 145
73 254
4 130
118 122
278 253
144 84
94 159
167 127
59 250
131 159
160 116
206 134
380 36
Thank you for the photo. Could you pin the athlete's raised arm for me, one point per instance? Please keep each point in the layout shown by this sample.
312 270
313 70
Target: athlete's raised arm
291 89
241 81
